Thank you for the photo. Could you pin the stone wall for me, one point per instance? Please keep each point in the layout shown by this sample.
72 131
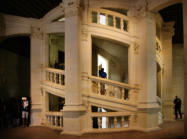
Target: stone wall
178 72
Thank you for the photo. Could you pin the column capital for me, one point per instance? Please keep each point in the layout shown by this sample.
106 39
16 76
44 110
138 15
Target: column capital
36 32
140 12
71 7
167 27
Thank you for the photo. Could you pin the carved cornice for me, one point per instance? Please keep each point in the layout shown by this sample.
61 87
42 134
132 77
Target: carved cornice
36 33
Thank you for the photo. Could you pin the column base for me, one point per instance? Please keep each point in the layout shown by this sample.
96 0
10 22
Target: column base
73 119
148 119
35 117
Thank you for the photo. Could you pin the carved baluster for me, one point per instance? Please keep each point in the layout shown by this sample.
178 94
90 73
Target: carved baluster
99 122
56 122
63 79
106 19
122 24
50 120
60 79
122 121
114 22
99 88
122 93
115 92
46 76
106 90
46 120
51 76
60 121
115 122
126 121
55 81
98 17
107 122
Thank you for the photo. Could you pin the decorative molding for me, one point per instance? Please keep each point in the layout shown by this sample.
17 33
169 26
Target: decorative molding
136 48
36 33
84 32
167 27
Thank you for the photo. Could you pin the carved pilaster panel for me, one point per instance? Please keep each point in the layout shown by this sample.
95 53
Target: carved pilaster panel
84 32
136 48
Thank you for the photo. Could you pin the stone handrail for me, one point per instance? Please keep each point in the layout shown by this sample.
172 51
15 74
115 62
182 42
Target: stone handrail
114 83
113 89
117 18
112 120
54 119
55 76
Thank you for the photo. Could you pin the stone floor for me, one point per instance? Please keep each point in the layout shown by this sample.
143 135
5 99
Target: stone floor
170 130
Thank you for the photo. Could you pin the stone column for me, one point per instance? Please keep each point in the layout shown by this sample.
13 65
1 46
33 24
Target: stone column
36 65
73 111
147 118
167 96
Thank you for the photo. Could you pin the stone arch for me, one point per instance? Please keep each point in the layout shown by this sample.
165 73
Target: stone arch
156 5
54 13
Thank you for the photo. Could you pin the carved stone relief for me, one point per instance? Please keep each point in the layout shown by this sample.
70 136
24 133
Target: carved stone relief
136 48
84 32
36 32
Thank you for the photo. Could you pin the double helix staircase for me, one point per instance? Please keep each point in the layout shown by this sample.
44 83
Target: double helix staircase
116 98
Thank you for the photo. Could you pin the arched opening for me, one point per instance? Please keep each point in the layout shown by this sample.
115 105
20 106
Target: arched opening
14 78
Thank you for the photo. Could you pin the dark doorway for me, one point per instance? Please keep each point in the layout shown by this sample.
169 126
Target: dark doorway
14 78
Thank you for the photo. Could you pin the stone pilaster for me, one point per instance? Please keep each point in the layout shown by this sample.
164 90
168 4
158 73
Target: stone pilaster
36 66
167 96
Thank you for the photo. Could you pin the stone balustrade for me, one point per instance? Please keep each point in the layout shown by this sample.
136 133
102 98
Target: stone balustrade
109 19
112 120
54 120
113 89
55 76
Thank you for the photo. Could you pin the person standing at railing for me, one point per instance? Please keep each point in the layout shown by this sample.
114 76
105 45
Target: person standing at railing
102 74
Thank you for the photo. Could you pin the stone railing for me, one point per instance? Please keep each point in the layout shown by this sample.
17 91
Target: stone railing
113 89
54 120
109 19
112 120
55 76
